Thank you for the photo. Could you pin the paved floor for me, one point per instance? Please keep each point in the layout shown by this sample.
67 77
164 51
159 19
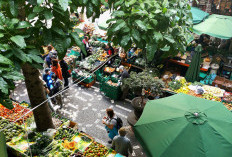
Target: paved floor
87 106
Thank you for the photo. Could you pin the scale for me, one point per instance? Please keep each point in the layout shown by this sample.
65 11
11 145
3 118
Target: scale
227 69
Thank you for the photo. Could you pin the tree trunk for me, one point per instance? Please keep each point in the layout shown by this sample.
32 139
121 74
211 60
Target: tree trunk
36 93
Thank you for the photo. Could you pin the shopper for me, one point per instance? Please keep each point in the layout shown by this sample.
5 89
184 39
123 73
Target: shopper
87 46
65 73
56 69
124 74
122 144
56 89
110 124
47 77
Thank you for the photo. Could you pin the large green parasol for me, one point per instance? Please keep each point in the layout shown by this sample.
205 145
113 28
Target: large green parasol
218 26
198 15
193 71
185 126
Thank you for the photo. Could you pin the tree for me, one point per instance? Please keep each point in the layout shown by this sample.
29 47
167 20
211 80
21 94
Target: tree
24 28
154 26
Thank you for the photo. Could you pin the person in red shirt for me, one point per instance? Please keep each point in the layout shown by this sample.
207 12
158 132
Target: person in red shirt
56 69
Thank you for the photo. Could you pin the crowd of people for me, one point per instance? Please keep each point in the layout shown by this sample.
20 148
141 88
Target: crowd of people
56 75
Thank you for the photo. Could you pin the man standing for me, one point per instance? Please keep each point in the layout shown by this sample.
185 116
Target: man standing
47 77
122 144
124 74
56 89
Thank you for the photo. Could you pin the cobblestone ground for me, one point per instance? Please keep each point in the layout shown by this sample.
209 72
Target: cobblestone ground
87 106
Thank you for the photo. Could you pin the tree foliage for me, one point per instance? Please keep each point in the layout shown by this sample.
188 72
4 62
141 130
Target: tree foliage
27 25
152 25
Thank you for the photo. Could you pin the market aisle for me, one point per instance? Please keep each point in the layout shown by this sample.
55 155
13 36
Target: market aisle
87 106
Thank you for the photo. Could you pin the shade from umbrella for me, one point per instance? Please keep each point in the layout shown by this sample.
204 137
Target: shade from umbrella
198 15
185 126
193 71
218 26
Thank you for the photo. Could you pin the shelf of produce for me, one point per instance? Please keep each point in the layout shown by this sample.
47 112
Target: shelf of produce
184 64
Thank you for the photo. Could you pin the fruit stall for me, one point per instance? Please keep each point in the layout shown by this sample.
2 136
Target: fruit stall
65 140
198 89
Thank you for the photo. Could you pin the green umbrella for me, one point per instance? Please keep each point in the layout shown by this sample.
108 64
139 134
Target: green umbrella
193 72
3 150
219 26
198 15
185 126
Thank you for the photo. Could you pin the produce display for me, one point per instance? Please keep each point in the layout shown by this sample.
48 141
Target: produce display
64 133
112 83
228 106
227 97
213 90
14 114
11 130
210 97
96 149
109 70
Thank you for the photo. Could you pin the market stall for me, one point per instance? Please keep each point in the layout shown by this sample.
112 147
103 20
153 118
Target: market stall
64 140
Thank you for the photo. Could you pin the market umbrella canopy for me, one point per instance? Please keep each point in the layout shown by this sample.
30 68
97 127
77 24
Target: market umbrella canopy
198 15
218 26
193 71
185 126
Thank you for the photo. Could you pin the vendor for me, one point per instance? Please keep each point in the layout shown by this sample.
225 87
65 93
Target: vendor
109 49
124 74
87 46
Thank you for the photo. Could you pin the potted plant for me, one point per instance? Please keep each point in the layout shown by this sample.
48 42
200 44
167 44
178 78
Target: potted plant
144 85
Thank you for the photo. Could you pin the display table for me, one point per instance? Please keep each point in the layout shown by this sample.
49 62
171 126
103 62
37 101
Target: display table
184 64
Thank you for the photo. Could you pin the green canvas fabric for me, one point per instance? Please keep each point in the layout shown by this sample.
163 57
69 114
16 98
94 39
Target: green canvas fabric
164 130
198 15
3 150
193 71
218 26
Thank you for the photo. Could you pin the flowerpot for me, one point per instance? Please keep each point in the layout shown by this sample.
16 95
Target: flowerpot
138 106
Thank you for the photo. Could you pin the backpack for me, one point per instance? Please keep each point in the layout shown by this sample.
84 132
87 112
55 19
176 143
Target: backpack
119 122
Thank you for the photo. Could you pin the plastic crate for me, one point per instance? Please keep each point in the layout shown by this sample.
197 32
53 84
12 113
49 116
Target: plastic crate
111 91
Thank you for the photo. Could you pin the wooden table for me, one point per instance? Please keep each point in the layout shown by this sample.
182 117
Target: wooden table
184 64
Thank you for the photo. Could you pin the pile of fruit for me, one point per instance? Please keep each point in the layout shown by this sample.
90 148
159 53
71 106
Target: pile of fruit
25 104
184 89
228 106
210 97
227 97
109 69
14 114
11 130
65 133
214 90
193 93
95 149
112 83
69 145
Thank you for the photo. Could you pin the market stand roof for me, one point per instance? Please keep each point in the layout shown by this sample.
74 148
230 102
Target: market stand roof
198 15
218 26
185 126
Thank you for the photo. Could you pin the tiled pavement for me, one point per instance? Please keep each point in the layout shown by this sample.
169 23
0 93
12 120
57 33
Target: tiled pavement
87 106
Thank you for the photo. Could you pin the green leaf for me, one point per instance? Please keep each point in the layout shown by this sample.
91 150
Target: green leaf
78 30
59 31
13 75
20 54
158 36
120 24
13 7
118 3
32 16
95 2
141 25
36 58
151 50
130 2
136 35
37 66
19 40
4 60
169 38
118 14
79 42
34 52
23 24
67 42
165 48
63 4
125 40
1 35
3 86
37 9
48 15
89 11
40 2
6 102
165 10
